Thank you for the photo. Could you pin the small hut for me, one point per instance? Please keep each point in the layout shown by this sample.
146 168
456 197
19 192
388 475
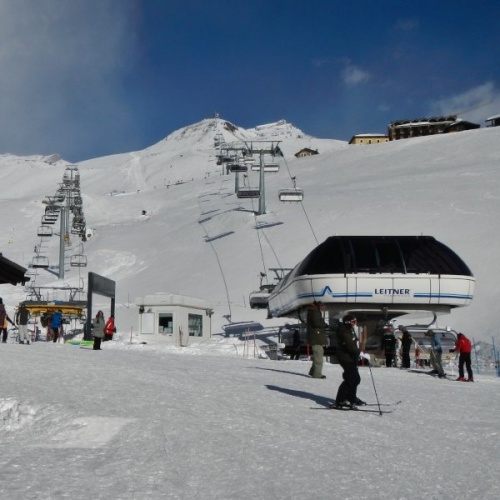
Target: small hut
176 319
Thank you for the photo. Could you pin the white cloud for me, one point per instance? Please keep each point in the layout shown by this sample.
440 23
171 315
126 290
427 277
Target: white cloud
60 64
353 75
475 104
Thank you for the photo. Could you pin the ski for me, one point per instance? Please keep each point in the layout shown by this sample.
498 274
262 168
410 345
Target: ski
382 404
358 409
368 410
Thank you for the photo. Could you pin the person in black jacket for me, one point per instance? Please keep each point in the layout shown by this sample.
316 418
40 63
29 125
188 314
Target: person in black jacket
22 317
316 338
296 344
389 342
348 357
406 341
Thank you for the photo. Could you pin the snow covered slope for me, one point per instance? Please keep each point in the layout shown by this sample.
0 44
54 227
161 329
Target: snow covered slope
197 238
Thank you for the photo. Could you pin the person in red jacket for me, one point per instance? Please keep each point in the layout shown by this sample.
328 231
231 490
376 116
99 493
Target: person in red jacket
464 348
109 329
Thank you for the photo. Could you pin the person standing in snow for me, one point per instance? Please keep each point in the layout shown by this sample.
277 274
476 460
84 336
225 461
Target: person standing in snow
22 317
406 341
4 321
436 353
98 330
296 344
56 325
348 357
45 320
389 342
464 348
316 338
109 329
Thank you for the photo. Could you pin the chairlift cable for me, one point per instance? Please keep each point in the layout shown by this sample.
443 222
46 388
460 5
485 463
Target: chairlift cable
272 249
301 202
218 263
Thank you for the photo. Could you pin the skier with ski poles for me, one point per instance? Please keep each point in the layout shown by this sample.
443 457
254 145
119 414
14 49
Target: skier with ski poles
348 356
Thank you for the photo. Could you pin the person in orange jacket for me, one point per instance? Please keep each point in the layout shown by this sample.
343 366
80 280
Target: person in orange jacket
464 348
109 329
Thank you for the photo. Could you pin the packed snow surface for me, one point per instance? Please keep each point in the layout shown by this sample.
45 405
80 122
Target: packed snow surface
135 421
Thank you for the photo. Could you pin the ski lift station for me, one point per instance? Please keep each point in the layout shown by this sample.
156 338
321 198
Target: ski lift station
376 278
176 319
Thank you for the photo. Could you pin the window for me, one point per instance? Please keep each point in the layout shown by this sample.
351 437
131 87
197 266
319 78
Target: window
195 325
166 323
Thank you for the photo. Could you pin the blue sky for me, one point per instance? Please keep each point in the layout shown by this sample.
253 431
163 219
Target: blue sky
88 78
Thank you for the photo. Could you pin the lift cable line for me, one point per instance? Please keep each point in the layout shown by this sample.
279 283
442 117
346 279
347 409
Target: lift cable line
293 179
210 241
237 158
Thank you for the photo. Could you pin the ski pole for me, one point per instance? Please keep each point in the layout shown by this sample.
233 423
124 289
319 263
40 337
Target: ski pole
375 389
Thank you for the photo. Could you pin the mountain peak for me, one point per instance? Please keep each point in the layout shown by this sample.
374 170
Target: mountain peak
208 127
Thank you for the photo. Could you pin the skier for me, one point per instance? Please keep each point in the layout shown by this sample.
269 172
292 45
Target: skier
98 330
436 353
296 344
316 338
406 341
4 321
56 324
389 348
464 348
109 329
348 356
22 317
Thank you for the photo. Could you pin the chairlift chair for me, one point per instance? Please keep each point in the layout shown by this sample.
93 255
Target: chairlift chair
268 167
78 260
40 262
44 231
48 220
248 192
291 194
237 167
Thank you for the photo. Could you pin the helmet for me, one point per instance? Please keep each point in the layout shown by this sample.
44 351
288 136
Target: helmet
347 319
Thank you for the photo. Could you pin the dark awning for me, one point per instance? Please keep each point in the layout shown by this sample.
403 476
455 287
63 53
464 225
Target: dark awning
11 273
